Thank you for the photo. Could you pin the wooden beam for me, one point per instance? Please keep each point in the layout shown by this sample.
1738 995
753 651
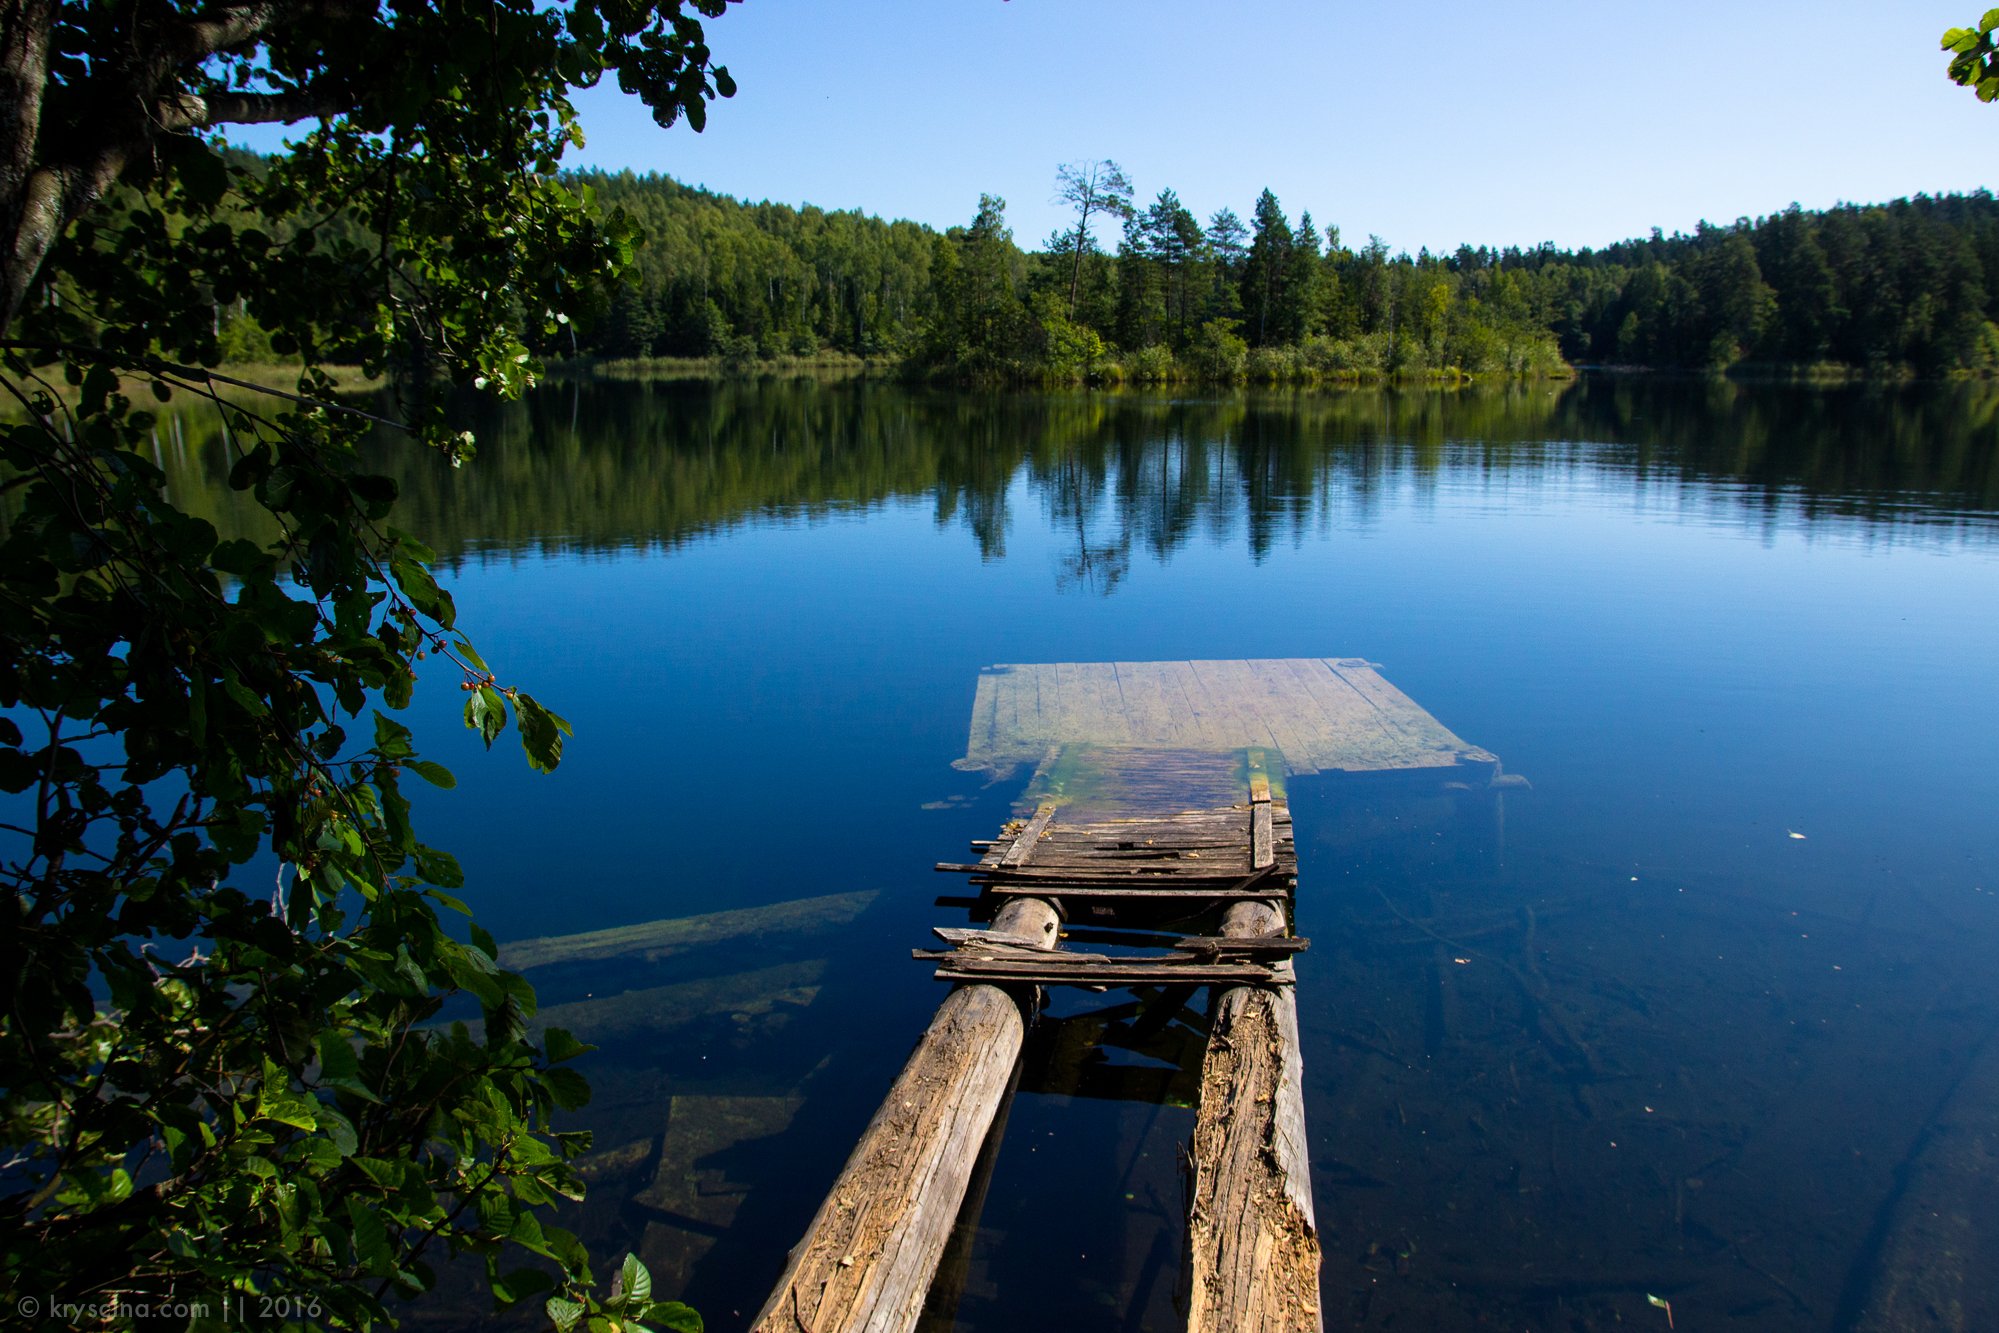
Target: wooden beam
868 1256
1253 1244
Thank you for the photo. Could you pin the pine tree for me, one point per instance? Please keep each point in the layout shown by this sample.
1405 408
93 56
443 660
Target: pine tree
1266 273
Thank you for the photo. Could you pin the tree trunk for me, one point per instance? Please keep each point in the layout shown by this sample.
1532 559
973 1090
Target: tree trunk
24 64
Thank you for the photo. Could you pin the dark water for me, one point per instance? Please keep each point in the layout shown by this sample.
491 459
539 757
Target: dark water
1698 1021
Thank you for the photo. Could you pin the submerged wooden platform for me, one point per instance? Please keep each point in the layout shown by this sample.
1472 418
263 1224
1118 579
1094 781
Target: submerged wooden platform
1167 831
1320 714
1156 815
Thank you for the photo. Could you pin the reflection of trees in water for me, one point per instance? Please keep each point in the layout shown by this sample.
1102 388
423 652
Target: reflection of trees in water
1075 500
623 465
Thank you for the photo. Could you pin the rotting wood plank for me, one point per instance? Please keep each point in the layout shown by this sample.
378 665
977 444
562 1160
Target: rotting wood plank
1190 893
1215 871
1262 849
1216 945
1253 1242
1024 842
1115 973
870 1252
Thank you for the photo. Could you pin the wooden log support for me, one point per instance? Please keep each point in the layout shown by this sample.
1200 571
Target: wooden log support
1253 1244
868 1257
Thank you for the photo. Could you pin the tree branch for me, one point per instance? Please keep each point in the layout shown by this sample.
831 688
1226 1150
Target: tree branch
185 111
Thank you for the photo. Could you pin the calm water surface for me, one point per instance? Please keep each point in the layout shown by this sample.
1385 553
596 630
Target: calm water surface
1708 1016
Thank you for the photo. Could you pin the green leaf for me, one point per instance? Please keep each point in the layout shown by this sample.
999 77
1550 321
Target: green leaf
636 1282
541 734
471 656
563 1313
371 1238
339 1131
437 775
570 1089
520 1284
439 868
559 1045
486 713
674 1316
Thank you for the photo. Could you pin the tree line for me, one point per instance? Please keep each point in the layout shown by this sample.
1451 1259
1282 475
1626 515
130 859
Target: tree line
1909 287
1906 287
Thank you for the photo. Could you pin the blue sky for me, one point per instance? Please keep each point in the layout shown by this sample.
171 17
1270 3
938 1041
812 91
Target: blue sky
1429 125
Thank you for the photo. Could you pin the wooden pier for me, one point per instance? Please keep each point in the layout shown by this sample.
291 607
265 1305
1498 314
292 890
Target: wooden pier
1156 813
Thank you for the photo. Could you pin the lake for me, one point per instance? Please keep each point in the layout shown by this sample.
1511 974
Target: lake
1706 1016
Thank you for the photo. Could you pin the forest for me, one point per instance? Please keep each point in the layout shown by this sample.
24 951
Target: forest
1909 287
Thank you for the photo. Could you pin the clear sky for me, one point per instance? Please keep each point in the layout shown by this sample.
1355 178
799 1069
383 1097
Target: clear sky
1496 123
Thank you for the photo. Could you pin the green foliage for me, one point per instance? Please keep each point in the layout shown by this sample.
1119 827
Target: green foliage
226 959
715 277
629 1308
1974 60
1220 354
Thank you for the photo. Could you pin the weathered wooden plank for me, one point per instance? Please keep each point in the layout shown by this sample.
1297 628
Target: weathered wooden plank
1399 713
1204 726
1024 842
661 939
1250 944
989 944
1112 713
1239 724
868 1256
1349 735
645 1015
1262 698
1147 709
1253 1244
1214 893
1157 973
987 733
1217 871
1214 945
1262 847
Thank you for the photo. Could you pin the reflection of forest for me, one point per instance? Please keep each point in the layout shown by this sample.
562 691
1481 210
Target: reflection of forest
615 465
